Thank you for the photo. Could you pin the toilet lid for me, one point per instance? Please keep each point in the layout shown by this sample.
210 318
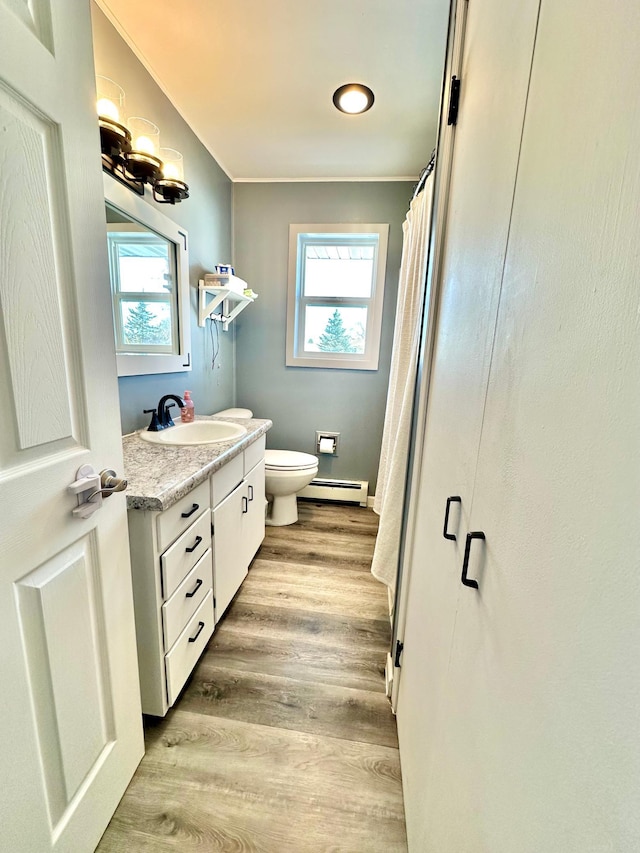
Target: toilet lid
287 460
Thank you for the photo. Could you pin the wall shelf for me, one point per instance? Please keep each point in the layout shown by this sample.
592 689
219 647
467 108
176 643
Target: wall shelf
229 293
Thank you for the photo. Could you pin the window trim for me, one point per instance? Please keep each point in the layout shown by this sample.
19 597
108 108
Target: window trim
296 302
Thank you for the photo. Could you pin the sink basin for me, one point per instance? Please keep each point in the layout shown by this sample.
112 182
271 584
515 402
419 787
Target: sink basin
198 432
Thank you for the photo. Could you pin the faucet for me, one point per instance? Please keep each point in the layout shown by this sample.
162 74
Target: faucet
161 419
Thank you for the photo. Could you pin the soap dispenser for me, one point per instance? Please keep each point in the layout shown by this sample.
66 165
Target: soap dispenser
187 413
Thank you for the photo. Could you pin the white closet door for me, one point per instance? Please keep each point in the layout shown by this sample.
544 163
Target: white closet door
543 735
485 159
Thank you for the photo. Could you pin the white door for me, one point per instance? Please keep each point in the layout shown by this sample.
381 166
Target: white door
542 747
253 517
70 708
484 166
229 563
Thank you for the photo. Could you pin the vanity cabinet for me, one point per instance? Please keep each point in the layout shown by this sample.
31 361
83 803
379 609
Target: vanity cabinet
188 561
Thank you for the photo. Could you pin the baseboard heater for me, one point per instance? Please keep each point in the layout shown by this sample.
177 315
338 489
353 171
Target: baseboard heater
347 491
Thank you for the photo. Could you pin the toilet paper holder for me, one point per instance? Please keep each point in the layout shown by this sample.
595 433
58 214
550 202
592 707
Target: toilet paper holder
327 442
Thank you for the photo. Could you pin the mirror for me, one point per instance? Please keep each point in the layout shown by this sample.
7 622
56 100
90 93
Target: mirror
148 270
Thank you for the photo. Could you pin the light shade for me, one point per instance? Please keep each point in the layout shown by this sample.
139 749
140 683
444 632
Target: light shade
172 164
353 98
145 136
110 99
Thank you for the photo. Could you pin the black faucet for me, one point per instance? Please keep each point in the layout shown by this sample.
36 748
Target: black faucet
161 418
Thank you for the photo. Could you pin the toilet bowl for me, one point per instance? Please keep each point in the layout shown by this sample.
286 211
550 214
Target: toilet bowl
286 473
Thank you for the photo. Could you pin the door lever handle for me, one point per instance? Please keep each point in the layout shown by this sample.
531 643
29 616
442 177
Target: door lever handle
109 483
477 534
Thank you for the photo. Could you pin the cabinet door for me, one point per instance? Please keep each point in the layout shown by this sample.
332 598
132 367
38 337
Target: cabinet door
544 734
229 555
480 197
253 518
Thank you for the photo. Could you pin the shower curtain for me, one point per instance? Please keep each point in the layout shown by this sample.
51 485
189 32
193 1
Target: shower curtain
389 496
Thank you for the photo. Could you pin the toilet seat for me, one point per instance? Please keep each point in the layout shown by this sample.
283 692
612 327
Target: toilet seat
289 460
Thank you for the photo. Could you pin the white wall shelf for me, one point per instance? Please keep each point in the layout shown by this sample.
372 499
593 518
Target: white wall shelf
229 293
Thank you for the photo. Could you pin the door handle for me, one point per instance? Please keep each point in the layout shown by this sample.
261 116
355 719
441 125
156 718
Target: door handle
194 508
245 505
465 563
451 500
109 483
250 493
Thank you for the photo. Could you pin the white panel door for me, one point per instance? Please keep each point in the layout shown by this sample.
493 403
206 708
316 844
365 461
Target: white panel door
229 563
484 166
70 708
543 739
253 518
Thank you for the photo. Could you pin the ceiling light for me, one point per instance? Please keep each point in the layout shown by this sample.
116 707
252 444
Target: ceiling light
353 98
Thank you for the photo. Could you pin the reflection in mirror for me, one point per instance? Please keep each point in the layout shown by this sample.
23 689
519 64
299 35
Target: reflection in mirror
148 269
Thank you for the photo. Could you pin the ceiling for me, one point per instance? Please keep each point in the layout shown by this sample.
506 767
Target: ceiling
255 79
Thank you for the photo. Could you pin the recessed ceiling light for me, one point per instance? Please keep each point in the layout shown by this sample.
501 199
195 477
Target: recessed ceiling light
353 98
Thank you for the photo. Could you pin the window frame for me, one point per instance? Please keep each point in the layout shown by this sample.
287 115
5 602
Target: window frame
297 302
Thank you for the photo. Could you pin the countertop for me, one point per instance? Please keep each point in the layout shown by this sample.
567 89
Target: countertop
159 475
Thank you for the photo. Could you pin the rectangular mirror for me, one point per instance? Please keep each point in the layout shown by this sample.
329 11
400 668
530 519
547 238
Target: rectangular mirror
149 274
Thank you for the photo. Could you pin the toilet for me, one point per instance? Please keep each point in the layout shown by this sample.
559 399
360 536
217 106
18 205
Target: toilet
286 473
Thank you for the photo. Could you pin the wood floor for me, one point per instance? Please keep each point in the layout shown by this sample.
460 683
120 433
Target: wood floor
283 740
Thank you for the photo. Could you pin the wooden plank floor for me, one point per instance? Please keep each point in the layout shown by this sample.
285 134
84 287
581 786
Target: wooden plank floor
283 740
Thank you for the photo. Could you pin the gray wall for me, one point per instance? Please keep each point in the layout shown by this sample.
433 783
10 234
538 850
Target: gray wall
206 215
300 400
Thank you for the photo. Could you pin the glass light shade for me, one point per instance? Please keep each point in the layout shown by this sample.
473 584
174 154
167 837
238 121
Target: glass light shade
172 164
145 136
353 98
110 99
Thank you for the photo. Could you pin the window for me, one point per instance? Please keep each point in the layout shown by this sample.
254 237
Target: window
336 290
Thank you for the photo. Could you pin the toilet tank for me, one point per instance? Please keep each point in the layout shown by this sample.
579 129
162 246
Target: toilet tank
234 413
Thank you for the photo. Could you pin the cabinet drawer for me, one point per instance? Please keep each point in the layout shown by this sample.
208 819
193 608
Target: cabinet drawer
188 648
253 454
224 481
177 611
185 552
178 517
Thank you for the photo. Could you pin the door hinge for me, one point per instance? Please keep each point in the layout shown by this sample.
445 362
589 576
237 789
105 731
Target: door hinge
454 101
396 660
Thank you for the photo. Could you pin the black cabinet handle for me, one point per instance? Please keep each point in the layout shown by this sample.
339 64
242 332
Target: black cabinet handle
454 499
198 632
245 505
195 589
250 493
195 545
193 509
465 563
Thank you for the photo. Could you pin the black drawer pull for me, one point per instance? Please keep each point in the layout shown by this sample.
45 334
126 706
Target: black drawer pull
454 499
245 505
198 632
250 493
465 563
195 589
193 509
195 545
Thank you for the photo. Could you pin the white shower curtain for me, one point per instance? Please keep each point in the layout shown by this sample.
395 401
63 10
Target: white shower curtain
389 497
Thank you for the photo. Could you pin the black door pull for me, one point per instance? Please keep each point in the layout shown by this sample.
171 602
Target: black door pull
250 493
465 563
195 545
245 505
193 509
198 632
454 499
195 589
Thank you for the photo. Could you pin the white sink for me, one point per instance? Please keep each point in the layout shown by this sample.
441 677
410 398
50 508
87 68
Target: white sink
198 432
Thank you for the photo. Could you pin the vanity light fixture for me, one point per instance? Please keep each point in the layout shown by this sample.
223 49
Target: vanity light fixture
353 98
131 153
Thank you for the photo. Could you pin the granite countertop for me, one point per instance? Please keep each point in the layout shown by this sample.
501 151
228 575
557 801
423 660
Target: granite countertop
159 475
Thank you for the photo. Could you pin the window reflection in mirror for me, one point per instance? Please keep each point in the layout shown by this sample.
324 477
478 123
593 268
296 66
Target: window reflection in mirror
149 274
142 267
